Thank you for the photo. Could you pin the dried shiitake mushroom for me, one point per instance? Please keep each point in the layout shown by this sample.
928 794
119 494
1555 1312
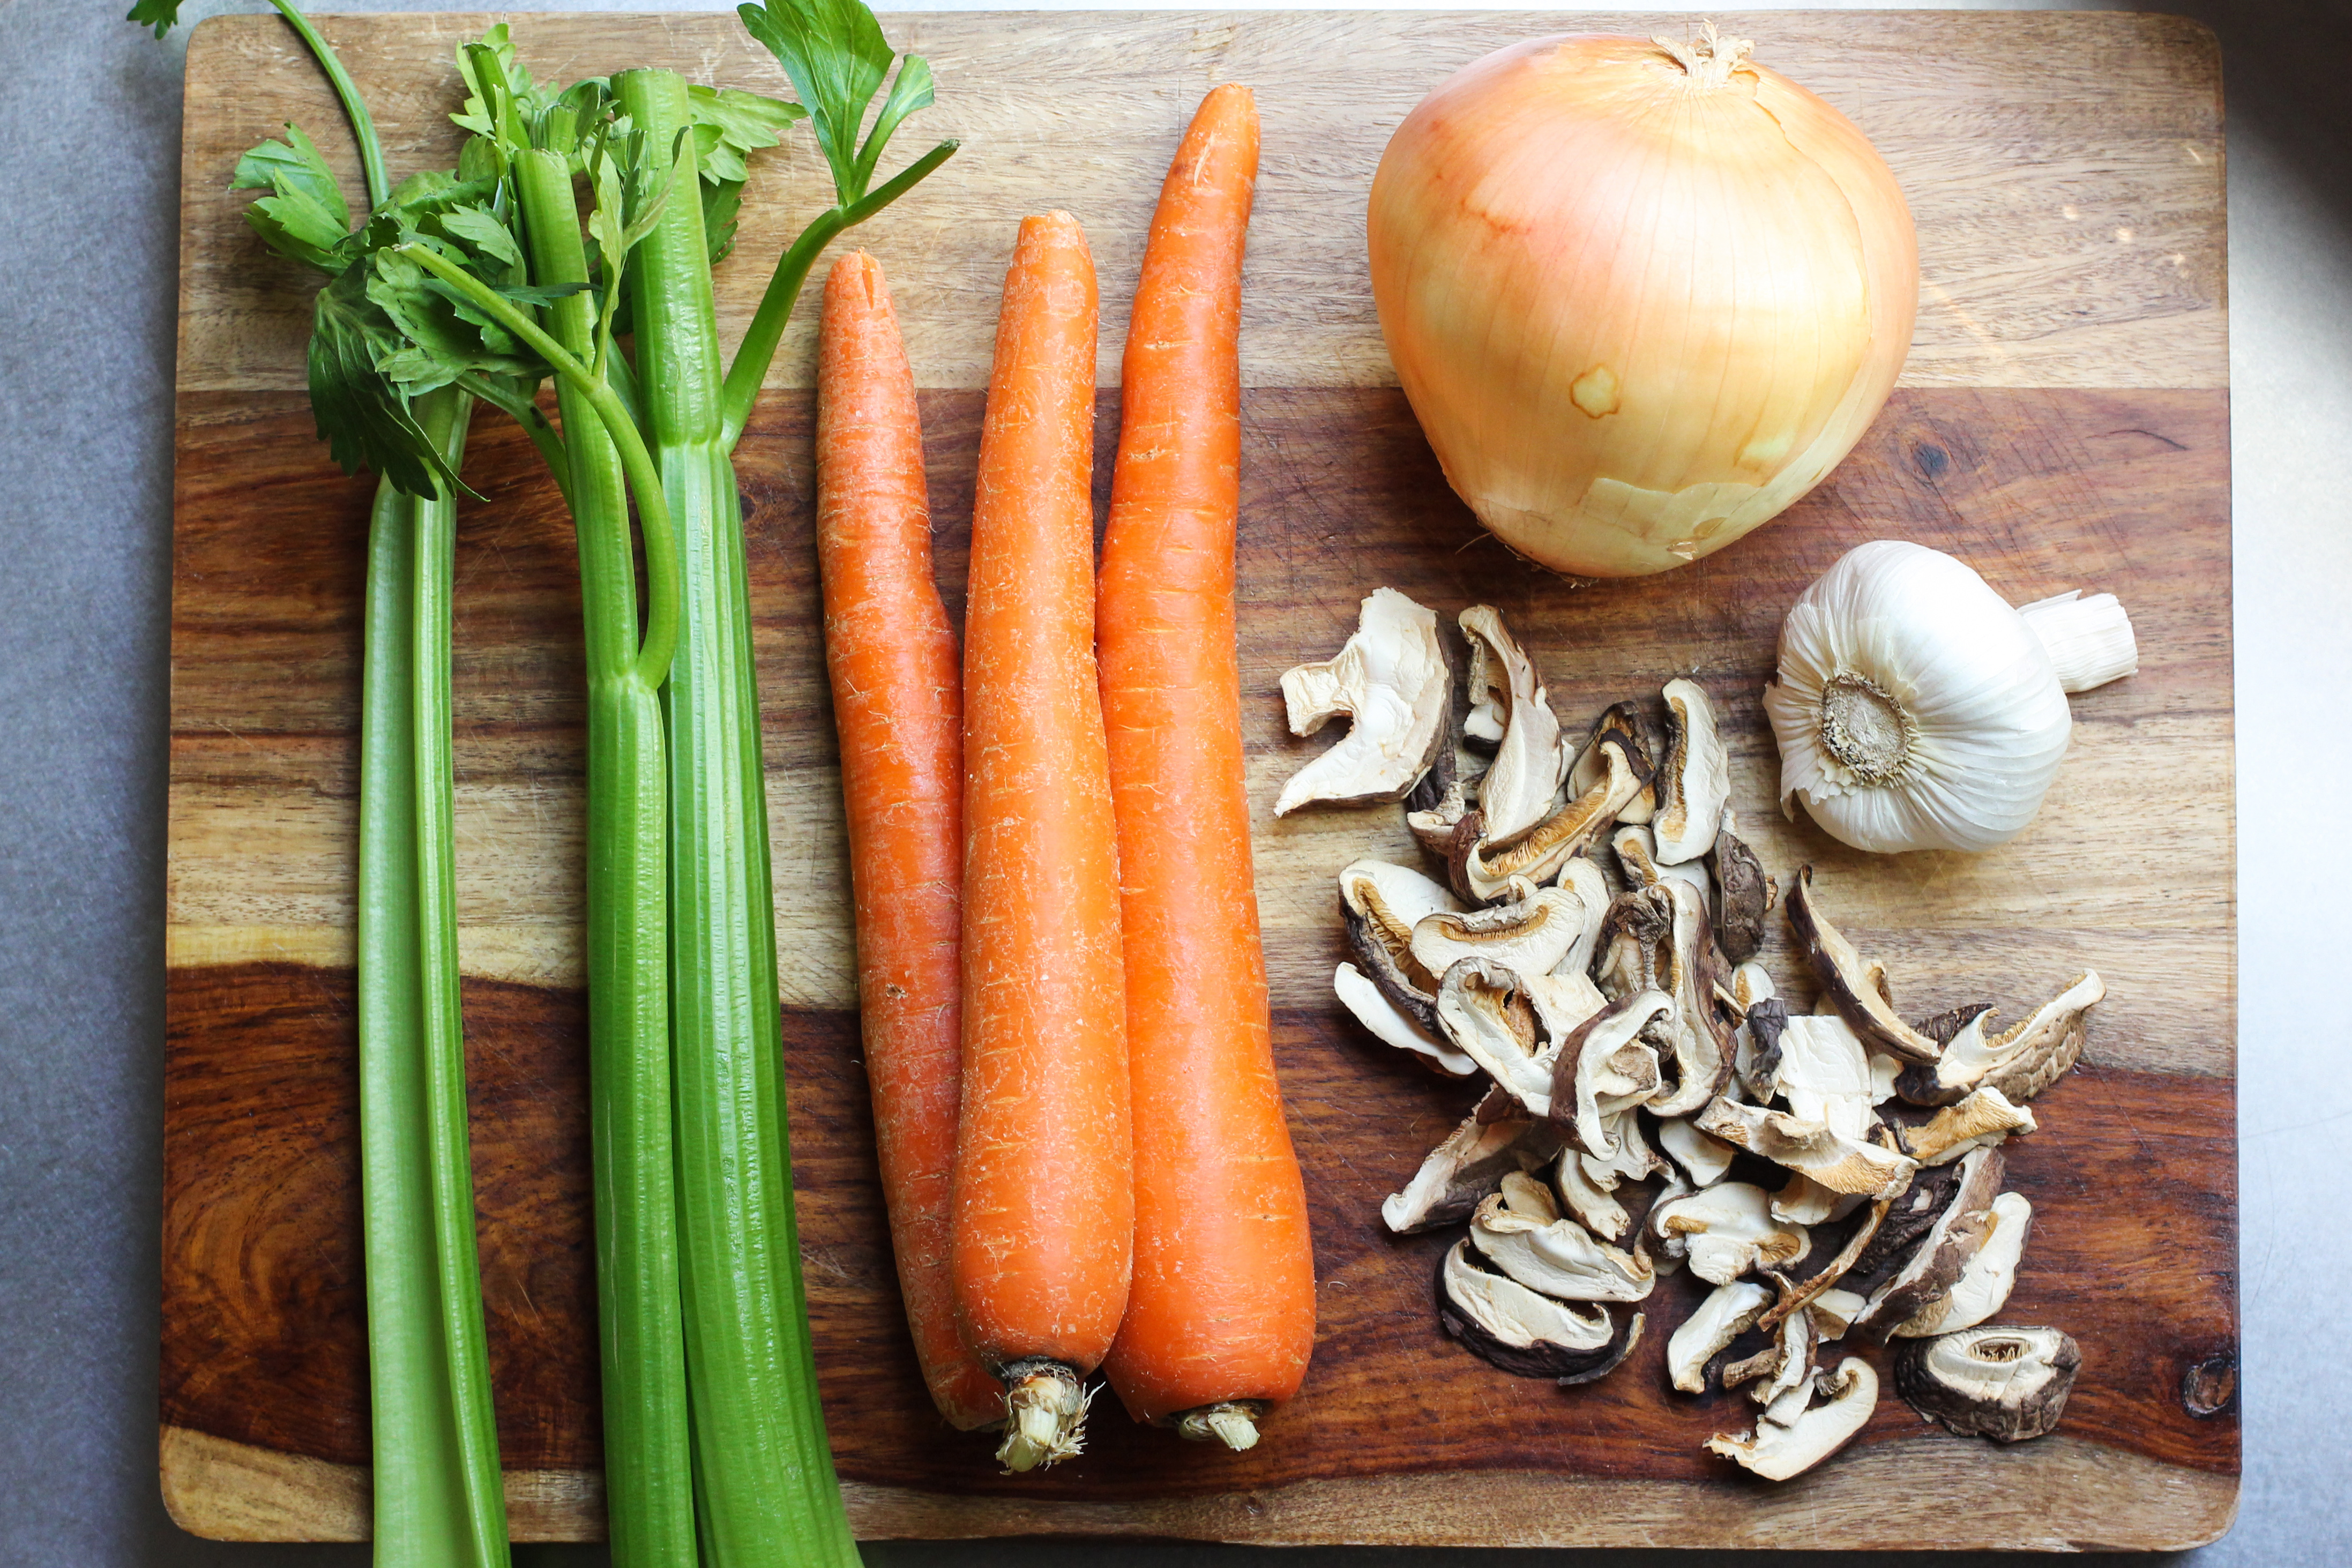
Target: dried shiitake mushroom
1391 681
2009 1385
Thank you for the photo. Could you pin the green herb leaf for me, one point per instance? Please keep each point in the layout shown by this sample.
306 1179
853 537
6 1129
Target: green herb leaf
504 100
837 59
481 230
910 92
305 216
363 414
160 15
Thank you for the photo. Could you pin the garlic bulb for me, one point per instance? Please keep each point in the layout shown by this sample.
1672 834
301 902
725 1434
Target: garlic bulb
1916 709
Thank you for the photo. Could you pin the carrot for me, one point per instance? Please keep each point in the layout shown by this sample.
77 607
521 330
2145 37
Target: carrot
899 706
1044 1190
1221 1318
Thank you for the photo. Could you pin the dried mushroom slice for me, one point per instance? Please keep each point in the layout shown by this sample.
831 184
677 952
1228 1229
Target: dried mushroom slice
1987 1279
1392 1026
1702 1034
1823 1074
1596 1207
1485 1011
1469 1164
1525 777
1483 866
1604 1069
1857 988
1704 1160
1622 725
1727 1229
1833 1312
1634 952
2020 1062
1746 896
1842 1165
1939 1258
1717 1320
1380 904
1532 934
1776 1452
1524 1332
1785 1369
1694 780
1804 1201
1755 1048
1984 1118
1391 681
1637 864
2009 1385
1549 1252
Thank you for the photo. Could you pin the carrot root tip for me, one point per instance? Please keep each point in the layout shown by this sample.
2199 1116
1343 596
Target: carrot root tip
1233 1422
1045 1416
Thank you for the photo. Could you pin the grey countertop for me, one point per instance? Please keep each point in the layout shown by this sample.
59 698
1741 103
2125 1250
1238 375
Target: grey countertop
88 183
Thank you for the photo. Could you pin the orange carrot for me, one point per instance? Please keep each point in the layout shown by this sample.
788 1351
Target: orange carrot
1045 1219
899 706
1221 1318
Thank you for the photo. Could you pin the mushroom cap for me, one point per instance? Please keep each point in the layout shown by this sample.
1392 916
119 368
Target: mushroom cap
1747 896
2020 1062
1391 680
1485 864
1704 1034
2006 1384
1983 1117
1629 732
1380 904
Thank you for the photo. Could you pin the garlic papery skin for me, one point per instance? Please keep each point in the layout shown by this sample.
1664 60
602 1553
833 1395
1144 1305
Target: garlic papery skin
1641 294
1916 708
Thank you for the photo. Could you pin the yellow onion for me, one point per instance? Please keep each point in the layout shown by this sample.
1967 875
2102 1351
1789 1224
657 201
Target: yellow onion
1643 294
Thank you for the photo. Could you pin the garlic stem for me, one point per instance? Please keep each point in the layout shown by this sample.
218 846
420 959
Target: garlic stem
2090 641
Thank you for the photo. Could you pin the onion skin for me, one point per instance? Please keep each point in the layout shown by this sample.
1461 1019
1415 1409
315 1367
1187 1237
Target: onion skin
1637 315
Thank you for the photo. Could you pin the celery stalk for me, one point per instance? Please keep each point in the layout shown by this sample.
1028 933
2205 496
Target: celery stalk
438 1497
648 1476
767 1490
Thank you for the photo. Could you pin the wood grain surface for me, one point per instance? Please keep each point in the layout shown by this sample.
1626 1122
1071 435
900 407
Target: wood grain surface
2063 424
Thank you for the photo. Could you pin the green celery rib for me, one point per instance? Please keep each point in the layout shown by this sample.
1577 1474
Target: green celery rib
439 1500
648 1475
767 1490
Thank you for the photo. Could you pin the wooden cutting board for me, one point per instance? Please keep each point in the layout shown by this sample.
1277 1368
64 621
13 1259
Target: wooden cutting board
2063 422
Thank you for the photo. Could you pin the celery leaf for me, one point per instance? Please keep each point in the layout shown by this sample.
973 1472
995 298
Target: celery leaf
837 59
160 15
